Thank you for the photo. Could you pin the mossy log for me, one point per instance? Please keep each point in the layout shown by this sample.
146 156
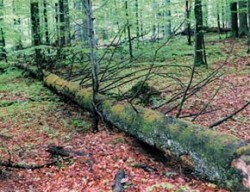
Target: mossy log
217 157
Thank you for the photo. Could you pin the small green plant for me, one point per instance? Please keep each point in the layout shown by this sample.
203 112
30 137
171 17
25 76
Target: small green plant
144 92
118 140
50 132
80 124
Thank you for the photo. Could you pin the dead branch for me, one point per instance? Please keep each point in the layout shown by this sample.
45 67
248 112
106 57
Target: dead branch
26 166
117 185
229 116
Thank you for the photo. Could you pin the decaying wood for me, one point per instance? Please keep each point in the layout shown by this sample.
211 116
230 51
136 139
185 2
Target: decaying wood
27 166
214 156
56 150
117 185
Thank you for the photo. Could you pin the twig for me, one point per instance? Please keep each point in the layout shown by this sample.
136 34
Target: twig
229 116
186 92
25 166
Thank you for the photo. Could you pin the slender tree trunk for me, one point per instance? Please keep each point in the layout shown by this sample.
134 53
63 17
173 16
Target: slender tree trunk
188 9
84 23
154 27
218 21
223 15
234 20
62 39
46 25
94 62
17 24
248 2
129 31
199 58
167 15
57 24
77 26
3 54
67 21
137 21
141 23
35 30
242 18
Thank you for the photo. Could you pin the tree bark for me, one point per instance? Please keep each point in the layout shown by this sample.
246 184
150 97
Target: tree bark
35 30
234 20
129 31
3 54
188 9
242 18
248 2
94 62
46 24
199 56
35 23
61 8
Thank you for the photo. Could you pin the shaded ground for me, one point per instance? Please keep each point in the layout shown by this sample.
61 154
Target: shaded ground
31 118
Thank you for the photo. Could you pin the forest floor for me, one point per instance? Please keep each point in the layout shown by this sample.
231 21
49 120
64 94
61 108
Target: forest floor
226 94
32 118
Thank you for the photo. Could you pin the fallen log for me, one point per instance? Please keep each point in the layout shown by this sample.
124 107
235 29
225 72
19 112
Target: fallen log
214 156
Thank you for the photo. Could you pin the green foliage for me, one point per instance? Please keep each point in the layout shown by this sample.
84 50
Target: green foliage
118 140
80 124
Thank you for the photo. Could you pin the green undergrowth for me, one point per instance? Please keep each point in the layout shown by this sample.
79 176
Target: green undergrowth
26 104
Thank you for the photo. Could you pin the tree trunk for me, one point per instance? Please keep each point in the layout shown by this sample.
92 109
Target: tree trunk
3 54
84 23
57 24
17 26
234 20
35 30
137 21
35 23
61 8
94 62
199 56
242 18
167 15
188 9
218 20
46 25
67 22
129 31
248 2
211 155
77 25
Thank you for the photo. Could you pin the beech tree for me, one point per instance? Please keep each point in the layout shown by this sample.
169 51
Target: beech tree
46 24
199 56
3 54
64 24
93 60
234 20
242 18
35 30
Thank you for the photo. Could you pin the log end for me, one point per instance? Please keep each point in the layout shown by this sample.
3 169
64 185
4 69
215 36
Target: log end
242 164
